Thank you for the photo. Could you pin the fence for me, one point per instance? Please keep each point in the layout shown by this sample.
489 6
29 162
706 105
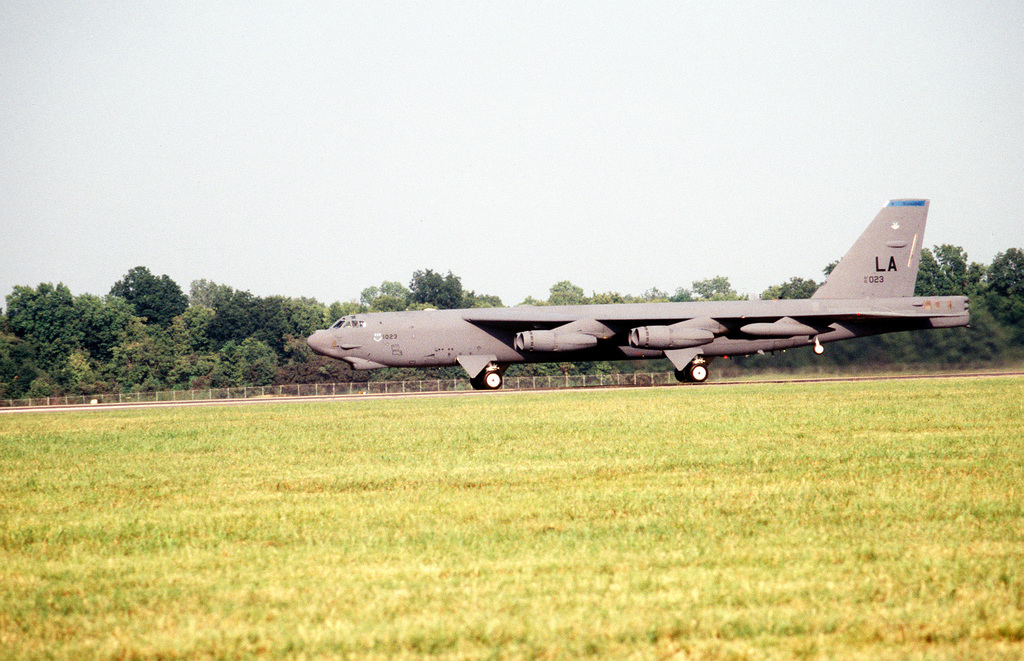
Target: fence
340 389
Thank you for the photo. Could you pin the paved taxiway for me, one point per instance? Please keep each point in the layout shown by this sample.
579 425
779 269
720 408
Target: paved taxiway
480 393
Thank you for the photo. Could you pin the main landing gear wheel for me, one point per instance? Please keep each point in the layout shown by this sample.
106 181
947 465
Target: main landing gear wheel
695 372
490 379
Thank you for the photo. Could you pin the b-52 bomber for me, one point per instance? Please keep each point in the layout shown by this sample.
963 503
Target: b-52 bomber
869 292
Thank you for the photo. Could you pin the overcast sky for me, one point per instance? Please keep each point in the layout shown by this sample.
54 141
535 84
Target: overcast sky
315 149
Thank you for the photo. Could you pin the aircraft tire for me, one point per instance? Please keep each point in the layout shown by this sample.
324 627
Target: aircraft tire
491 380
693 373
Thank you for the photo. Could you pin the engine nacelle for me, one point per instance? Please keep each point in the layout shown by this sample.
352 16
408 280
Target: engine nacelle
547 340
669 337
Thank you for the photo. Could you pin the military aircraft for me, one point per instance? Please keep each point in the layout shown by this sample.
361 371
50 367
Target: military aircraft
869 292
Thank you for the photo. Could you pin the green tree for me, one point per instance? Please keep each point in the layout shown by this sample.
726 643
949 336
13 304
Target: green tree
964 277
1005 292
794 288
104 322
197 371
682 295
80 373
270 321
237 314
191 329
566 293
434 290
390 296
471 299
278 317
210 294
716 289
946 272
142 360
387 303
1005 275
930 281
157 299
46 318
253 363
17 366
191 348
305 315
43 385
611 297
304 366
655 295
337 310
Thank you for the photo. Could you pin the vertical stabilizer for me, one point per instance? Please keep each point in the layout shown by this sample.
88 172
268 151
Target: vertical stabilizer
883 262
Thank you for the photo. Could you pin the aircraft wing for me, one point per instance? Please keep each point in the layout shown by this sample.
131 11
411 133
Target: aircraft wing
519 318
723 317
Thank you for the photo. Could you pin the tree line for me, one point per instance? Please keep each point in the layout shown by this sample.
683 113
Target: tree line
147 334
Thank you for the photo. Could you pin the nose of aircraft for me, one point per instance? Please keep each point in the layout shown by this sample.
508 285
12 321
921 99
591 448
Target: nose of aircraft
319 342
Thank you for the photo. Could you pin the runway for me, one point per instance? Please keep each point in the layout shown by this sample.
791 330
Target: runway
251 401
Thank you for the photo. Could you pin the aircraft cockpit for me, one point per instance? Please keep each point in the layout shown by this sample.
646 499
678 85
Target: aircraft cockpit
349 322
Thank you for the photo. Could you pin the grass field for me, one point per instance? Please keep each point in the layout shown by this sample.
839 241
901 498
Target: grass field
840 520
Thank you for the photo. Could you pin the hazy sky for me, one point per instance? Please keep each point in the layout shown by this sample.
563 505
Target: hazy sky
315 149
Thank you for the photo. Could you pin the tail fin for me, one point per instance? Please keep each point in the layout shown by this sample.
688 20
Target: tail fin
883 262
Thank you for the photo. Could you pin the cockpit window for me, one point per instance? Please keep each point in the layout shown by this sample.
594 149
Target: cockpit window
349 322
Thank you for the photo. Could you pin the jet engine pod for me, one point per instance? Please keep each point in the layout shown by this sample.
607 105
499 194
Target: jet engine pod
669 337
546 340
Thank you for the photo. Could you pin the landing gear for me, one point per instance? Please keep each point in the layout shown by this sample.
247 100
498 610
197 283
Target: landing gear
695 372
818 349
490 379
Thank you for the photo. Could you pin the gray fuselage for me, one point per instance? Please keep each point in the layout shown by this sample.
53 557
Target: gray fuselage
429 338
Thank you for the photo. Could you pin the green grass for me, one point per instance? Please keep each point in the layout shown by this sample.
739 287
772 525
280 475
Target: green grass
864 520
